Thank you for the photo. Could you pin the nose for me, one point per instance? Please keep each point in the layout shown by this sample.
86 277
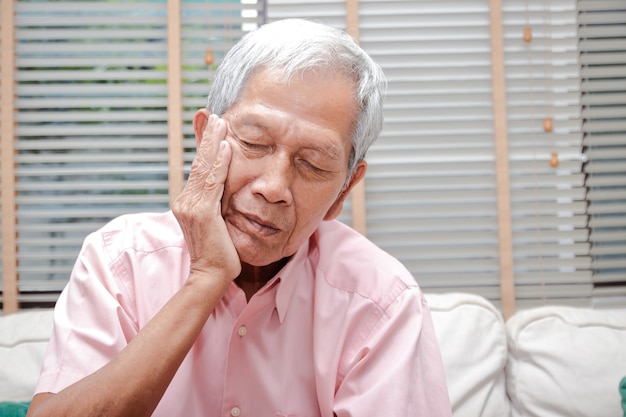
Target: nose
274 179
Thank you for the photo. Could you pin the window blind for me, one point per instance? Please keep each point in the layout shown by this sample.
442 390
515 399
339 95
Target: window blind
550 234
91 128
92 133
602 34
431 191
91 119
330 12
430 187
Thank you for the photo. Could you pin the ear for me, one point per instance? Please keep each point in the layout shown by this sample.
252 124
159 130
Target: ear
200 120
337 206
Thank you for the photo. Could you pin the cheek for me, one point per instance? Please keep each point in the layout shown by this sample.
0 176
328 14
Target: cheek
312 205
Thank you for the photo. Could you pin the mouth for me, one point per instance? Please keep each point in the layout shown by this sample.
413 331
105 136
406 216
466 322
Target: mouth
259 225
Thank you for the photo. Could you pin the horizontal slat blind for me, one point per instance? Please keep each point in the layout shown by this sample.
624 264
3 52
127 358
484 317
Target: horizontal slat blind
431 193
603 60
330 12
92 119
91 125
550 235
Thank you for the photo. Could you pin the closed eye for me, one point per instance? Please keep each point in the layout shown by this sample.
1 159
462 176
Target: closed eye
251 145
253 148
310 166
312 170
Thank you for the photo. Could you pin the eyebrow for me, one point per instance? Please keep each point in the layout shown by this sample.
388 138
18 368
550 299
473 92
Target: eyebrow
248 120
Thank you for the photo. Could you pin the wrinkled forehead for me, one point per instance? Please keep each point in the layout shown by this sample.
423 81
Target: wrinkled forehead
286 77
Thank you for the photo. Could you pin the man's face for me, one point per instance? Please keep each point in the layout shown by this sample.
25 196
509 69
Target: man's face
290 145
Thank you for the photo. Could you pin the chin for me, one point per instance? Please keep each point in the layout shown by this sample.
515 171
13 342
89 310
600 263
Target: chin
254 257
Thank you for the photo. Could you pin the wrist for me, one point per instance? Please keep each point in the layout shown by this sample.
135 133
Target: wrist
208 281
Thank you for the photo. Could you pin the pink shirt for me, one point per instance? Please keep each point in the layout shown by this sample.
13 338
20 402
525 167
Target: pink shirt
343 328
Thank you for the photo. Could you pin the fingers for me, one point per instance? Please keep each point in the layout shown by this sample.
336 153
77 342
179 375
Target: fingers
203 165
214 132
198 208
209 169
214 182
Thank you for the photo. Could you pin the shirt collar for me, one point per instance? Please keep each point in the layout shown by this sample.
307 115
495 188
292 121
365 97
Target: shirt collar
297 267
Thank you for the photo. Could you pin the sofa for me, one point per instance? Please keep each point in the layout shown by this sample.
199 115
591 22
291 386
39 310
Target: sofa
543 362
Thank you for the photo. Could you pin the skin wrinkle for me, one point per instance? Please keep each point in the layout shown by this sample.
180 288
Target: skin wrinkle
324 159
239 121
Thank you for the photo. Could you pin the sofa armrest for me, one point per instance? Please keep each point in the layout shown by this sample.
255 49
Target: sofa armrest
566 362
23 340
472 339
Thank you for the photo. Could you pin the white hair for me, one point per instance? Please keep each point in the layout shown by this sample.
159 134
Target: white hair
294 46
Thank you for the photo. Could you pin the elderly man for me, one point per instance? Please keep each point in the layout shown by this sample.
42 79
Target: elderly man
249 298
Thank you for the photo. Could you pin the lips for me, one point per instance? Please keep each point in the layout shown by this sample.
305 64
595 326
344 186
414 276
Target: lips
264 226
256 219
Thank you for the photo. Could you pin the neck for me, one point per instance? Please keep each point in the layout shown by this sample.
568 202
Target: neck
253 278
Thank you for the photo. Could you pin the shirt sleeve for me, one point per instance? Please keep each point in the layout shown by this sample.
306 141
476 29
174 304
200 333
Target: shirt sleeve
399 370
91 319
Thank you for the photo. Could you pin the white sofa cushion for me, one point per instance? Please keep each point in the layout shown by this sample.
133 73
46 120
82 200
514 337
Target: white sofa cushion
566 362
23 341
472 338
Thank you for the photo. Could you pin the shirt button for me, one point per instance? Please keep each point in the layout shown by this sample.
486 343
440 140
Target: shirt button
235 411
242 331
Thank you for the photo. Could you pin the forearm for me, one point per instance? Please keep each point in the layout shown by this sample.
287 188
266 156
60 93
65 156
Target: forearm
134 381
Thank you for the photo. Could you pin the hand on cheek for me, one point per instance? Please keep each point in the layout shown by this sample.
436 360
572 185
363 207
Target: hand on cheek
198 207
